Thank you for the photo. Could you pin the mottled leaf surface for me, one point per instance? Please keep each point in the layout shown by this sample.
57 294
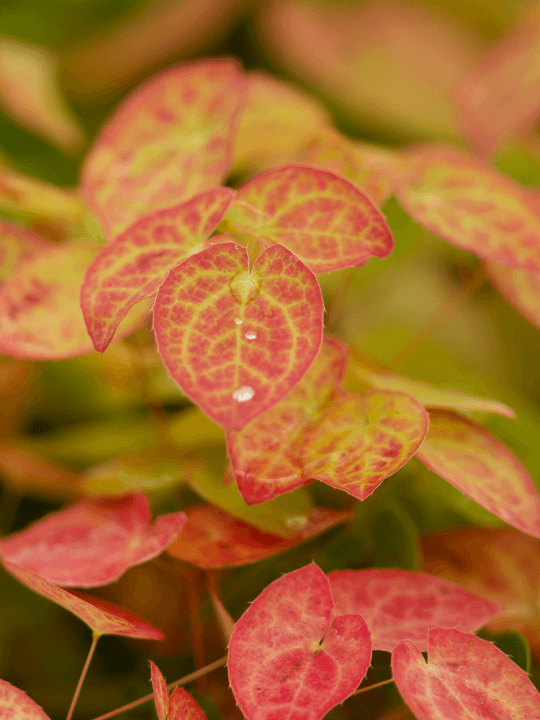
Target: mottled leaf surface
92 543
182 706
161 693
17 244
519 287
16 705
131 267
400 605
289 657
171 139
477 463
236 339
465 678
102 617
322 217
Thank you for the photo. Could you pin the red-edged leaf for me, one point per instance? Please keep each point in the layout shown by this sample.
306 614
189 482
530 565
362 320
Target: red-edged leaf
322 217
40 315
92 543
161 693
170 140
520 288
17 244
401 605
477 463
237 340
471 205
213 539
102 617
465 678
131 268
16 705
288 656
183 707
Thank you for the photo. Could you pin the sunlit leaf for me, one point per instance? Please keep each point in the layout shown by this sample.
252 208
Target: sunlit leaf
520 288
92 543
322 217
102 617
472 205
40 316
17 244
161 693
465 678
170 140
288 655
131 267
401 605
477 463
235 339
15 703
213 539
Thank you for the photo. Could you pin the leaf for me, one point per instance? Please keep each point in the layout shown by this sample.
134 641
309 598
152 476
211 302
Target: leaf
17 244
470 204
134 264
481 467
102 617
237 340
161 692
402 605
92 543
288 655
170 140
465 678
16 704
213 539
323 218
520 288
40 316
182 706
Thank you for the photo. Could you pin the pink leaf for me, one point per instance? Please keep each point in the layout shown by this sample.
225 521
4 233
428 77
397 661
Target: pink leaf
102 617
170 140
322 217
161 693
465 678
17 244
183 707
401 605
289 657
477 463
131 268
92 543
237 340
16 705
471 205
520 288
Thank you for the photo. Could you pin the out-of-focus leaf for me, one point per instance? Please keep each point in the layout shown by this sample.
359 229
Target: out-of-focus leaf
520 288
288 653
477 463
26 470
236 339
17 244
15 703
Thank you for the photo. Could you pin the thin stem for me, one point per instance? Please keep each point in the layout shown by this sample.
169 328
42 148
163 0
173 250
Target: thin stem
183 681
372 687
95 638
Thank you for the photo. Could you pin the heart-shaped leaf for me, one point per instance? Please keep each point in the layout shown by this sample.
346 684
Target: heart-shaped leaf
102 617
520 288
170 140
465 678
237 340
290 657
322 217
15 704
402 605
17 244
471 205
92 543
131 268
477 463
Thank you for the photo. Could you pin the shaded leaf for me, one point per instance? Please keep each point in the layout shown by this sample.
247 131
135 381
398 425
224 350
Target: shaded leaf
520 288
131 267
477 463
289 656
15 703
401 605
323 218
161 693
17 244
237 340
92 543
465 678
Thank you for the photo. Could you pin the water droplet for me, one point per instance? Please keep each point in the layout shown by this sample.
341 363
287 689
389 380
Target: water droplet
268 312
237 321
250 335
243 394
245 286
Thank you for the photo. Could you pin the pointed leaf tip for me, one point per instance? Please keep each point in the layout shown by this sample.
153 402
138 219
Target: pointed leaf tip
161 693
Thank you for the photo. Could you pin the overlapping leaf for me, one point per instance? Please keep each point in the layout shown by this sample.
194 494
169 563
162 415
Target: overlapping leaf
235 339
17 244
179 706
289 657
477 463
213 539
102 617
92 543
520 288
402 605
322 217
15 703
131 268
471 205
465 678
170 140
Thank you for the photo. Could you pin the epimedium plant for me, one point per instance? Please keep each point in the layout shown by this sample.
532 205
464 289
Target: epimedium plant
229 273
